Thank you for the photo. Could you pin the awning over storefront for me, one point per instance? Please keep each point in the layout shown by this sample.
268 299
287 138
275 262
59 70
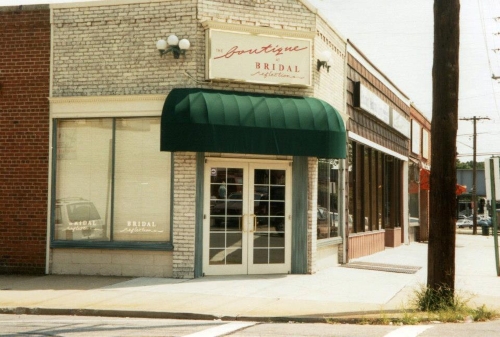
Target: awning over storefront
425 177
425 183
202 120
460 189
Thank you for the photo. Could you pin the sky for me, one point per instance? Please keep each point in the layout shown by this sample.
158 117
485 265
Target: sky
397 37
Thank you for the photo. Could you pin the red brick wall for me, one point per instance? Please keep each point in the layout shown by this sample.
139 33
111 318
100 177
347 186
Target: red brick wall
24 137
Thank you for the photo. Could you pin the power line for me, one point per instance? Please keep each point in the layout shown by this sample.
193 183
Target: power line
482 154
493 75
479 133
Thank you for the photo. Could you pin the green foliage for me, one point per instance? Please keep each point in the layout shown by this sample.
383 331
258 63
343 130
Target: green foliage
482 314
446 306
410 318
427 305
443 298
469 165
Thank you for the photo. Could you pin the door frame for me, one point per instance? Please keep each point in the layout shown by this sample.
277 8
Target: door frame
248 165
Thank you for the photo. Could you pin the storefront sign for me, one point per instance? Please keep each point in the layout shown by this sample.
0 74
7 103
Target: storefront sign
367 100
415 137
425 144
245 57
400 123
371 103
141 227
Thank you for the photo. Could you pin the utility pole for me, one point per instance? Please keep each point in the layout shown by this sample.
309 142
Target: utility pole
474 190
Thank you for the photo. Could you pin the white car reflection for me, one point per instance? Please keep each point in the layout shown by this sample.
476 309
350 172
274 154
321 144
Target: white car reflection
78 219
464 223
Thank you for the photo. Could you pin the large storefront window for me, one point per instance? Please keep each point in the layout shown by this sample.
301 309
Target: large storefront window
112 182
374 189
414 188
328 183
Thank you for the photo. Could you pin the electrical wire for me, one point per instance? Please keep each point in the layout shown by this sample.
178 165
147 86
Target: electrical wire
483 26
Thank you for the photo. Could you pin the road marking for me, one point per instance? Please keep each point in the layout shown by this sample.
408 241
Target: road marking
408 331
222 329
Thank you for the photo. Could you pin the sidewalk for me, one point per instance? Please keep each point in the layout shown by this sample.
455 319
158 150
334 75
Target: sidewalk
336 292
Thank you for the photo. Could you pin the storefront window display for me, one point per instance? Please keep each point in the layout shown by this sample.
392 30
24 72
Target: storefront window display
374 189
328 217
112 182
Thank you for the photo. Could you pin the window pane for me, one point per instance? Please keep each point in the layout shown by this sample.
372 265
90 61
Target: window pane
358 185
327 225
366 189
277 256
334 197
83 179
373 191
234 256
217 256
380 190
261 240
414 188
142 182
261 256
351 157
217 240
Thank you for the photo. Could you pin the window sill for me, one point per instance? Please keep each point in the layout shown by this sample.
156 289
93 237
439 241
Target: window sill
329 242
367 233
166 246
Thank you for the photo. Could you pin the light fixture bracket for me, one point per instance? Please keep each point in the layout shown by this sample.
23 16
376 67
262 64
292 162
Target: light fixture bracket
175 50
324 60
173 45
324 64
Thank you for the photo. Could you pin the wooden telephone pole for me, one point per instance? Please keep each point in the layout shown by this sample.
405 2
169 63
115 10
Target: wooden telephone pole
474 189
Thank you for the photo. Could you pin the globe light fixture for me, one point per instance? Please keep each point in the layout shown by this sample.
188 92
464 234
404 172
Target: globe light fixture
173 45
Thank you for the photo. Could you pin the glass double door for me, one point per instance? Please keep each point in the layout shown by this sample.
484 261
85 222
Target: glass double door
247 218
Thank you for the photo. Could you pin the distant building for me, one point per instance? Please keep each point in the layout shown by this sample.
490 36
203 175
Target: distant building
24 137
464 177
464 204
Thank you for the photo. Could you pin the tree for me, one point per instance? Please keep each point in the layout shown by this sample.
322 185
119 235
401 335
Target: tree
468 165
464 166
444 125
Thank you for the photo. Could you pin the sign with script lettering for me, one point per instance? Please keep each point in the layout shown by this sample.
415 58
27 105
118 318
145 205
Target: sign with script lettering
245 57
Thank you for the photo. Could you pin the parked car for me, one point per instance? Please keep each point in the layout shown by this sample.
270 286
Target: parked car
78 219
325 223
464 223
334 223
484 222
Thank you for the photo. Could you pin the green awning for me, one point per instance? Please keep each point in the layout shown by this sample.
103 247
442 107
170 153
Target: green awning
201 120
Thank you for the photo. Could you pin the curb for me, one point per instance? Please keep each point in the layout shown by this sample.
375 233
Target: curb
338 318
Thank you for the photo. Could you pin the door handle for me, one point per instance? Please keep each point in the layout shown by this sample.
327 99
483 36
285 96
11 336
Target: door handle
254 223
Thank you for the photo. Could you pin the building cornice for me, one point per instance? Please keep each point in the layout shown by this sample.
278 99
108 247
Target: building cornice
257 30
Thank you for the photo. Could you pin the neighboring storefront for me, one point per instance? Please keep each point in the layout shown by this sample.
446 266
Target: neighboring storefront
24 137
379 133
418 176
224 157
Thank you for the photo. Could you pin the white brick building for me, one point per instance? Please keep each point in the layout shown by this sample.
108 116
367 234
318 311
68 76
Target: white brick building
226 160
